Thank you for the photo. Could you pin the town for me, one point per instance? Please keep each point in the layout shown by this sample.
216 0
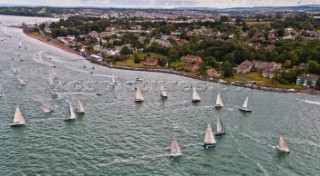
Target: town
275 49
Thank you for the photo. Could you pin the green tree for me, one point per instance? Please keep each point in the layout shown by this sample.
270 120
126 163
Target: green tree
313 66
287 64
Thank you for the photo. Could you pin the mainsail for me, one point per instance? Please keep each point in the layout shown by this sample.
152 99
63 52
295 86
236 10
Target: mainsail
114 80
209 138
245 103
282 143
79 108
162 91
220 127
175 149
219 101
195 95
139 96
18 117
70 114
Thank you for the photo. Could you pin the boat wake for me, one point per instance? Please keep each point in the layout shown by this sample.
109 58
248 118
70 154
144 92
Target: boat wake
311 102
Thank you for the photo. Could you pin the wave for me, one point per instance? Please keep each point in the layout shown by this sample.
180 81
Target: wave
311 102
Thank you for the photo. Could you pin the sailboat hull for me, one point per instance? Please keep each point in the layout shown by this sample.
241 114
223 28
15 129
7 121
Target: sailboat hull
69 119
220 134
175 155
79 112
218 106
195 101
138 100
16 125
283 150
245 110
208 145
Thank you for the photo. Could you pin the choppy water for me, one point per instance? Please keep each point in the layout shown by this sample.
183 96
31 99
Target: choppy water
116 136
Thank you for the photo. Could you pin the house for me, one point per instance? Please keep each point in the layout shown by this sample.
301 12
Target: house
150 62
308 80
191 67
96 57
269 73
182 41
213 72
191 59
110 52
244 67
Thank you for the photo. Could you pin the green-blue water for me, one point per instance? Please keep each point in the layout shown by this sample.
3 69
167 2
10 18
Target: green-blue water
116 136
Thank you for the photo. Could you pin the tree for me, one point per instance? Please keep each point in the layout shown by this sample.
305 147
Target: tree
287 64
227 69
125 51
313 66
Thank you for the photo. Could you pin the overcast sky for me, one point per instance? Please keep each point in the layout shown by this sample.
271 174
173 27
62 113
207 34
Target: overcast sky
162 3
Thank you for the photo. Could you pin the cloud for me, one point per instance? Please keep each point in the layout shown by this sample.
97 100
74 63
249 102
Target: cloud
163 3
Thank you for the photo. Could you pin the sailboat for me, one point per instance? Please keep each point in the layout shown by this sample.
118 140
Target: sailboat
163 93
14 70
245 107
114 83
219 103
79 108
282 145
21 81
174 148
209 140
139 97
70 114
18 119
46 107
195 96
220 128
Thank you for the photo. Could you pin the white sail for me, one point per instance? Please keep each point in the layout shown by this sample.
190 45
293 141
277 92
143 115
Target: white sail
219 128
139 96
14 70
209 138
79 108
282 145
113 80
245 103
219 101
21 81
70 114
175 149
195 95
162 91
18 117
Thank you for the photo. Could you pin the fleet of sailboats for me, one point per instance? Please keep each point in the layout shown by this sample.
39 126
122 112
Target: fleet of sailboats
282 145
79 107
209 140
163 93
174 148
245 107
175 151
70 113
18 119
139 97
219 103
195 96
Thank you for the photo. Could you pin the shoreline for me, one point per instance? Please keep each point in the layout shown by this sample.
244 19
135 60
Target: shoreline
57 44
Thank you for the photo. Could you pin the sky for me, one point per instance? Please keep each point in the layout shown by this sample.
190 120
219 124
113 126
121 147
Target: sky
162 3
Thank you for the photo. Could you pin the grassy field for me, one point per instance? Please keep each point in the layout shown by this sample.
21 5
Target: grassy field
257 77
179 65
130 63
152 55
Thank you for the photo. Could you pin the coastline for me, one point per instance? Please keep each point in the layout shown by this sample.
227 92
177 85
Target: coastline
57 44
